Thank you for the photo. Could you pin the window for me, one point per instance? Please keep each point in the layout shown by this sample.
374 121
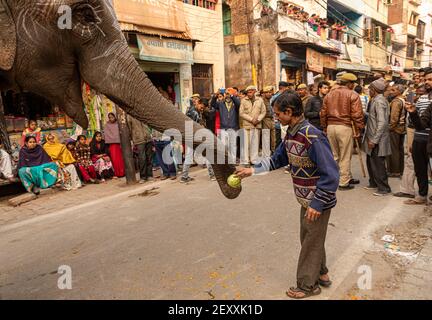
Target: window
411 47
202 79
378 34
421 27
207 4
226 13
414 18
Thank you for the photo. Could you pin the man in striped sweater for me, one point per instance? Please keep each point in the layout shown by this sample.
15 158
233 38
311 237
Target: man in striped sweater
420 144
316 179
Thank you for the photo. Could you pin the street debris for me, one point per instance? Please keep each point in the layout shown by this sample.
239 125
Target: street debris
392 247
388 238
212 296
147 193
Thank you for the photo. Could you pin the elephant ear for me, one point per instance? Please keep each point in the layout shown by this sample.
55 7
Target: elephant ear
7 38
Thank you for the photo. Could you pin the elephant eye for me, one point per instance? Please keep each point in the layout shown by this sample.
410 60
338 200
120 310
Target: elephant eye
85 14
85 20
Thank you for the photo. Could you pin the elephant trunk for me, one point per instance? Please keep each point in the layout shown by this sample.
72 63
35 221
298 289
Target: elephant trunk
122 80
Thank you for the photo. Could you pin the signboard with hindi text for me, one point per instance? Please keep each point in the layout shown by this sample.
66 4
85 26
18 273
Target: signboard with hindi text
314 60
159 14
165 50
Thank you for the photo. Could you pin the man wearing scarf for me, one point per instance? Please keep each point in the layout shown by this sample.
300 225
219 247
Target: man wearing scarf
377 139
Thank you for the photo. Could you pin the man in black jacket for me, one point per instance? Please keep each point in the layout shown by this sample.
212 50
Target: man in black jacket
229 121
313 106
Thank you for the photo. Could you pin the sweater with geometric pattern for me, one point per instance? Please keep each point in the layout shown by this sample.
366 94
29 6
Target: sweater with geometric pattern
313 169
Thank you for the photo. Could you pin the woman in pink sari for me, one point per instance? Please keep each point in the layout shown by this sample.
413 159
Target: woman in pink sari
112 139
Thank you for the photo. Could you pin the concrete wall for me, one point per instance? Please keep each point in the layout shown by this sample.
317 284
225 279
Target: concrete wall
425 10
368 8
206 25
375 56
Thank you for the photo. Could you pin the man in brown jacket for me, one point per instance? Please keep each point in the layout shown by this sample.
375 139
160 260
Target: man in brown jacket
252 112
395 162
341 109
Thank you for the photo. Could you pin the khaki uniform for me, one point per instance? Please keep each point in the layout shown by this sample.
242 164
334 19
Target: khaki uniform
250 133
268 123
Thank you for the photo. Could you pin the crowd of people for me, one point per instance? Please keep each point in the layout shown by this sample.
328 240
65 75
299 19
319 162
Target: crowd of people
391 124
311 131
332 28
395 142
44 161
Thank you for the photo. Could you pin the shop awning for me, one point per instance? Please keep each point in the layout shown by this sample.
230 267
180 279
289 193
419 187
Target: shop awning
318 46
130 27
353 66
288 59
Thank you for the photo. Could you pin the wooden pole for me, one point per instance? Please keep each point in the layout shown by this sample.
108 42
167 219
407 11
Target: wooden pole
359 151
125 142
250 25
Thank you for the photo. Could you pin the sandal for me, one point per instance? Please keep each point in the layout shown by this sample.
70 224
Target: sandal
307 293
325 284
413 202
403 195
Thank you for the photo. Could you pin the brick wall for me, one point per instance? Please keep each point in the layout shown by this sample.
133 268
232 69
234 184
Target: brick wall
239 17
395 14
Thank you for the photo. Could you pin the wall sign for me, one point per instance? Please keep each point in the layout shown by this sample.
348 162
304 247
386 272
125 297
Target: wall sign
165 50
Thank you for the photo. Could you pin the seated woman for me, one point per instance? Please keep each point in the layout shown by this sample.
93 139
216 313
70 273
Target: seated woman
6 165
112 139
35 168
32 130
60 154
100 157
81 152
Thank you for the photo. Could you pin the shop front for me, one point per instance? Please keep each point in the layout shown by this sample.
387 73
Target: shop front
292 67
168 64
20 108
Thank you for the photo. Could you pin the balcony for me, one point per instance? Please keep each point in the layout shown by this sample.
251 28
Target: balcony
416 3
295 26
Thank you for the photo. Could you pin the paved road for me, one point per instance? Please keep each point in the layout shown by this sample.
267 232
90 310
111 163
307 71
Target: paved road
187 242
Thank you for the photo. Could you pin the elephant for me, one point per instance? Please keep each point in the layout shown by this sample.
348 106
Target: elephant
38 56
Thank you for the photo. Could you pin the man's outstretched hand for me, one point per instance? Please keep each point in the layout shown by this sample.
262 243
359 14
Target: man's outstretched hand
244 172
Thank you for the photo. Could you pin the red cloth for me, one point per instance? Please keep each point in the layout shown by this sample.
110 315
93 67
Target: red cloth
117 159
89 173
217 123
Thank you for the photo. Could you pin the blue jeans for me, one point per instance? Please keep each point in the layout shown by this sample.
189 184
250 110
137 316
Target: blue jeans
168 170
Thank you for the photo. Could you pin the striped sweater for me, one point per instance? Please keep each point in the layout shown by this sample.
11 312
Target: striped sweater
422 104
314 171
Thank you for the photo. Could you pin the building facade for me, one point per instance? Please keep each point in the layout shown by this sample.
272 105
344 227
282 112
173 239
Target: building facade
297 40
179 44
412 22
265 42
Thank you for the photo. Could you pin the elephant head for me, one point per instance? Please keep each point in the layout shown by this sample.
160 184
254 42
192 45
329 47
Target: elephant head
39 56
